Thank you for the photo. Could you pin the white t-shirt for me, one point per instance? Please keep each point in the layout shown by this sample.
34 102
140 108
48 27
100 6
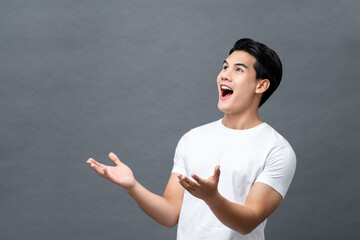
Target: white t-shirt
258 154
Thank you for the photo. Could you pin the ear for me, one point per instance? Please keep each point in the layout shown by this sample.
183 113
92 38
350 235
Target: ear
262 85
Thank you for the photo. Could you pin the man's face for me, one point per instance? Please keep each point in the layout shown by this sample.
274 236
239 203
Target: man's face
237 83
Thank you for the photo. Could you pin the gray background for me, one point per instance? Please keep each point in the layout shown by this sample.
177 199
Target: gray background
82 78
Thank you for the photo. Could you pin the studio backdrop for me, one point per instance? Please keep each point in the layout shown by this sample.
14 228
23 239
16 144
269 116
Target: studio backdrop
81 79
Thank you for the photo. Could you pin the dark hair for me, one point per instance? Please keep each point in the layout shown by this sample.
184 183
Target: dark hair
267 66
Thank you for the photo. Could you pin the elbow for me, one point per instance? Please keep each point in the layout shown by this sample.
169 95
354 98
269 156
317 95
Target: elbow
246 229
169 224
248 226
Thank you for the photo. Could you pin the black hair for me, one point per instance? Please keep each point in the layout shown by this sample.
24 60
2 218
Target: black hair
267 65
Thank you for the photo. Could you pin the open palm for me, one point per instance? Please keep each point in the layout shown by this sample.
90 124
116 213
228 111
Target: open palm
119 174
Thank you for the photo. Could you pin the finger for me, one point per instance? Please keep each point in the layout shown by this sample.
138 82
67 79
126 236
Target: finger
93 161
186 186
97 169
197 179
182 180
105 170
90 160
114 158
190 183
217 172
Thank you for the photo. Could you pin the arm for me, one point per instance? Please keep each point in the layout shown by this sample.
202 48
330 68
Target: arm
261 201
164 209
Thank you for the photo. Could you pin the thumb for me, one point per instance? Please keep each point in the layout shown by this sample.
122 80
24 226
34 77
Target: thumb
114 158
217 172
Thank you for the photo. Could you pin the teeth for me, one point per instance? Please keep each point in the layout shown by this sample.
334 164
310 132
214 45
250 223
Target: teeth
225 88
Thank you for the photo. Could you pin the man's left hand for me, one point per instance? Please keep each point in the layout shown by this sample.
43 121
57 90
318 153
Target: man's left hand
204 189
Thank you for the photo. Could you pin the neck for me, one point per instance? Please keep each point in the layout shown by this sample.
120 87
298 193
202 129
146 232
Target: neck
241 121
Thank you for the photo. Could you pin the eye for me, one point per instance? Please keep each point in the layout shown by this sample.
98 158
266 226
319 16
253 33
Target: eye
239 70
225 67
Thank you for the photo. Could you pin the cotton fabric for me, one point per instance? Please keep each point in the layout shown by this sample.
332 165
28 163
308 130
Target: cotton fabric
258 154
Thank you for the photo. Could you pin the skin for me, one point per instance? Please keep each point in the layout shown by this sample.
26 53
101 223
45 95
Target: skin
164 209
241 109
240 112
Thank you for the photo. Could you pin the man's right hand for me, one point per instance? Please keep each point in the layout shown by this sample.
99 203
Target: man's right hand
119 174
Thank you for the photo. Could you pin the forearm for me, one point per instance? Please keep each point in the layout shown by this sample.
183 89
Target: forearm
164 210
235 216
260 202
161 209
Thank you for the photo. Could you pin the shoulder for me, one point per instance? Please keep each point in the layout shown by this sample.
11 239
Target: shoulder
273 137
279 148
280 162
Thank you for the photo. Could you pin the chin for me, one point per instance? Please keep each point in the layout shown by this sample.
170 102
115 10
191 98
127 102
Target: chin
223 108
231 109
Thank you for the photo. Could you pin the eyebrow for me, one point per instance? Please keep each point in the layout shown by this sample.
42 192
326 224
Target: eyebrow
237 64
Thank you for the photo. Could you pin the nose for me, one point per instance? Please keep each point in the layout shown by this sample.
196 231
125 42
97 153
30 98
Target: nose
224 75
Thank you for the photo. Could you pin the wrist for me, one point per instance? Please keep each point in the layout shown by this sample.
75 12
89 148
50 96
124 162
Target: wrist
131 188
214 200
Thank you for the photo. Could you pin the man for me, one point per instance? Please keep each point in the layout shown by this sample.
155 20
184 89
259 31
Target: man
257 164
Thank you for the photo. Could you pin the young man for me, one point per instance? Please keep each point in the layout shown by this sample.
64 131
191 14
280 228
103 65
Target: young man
257 164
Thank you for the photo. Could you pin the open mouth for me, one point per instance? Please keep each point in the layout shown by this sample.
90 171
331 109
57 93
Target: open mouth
226 91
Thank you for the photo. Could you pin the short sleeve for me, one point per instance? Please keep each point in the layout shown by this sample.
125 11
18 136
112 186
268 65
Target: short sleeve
279 169
179 157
